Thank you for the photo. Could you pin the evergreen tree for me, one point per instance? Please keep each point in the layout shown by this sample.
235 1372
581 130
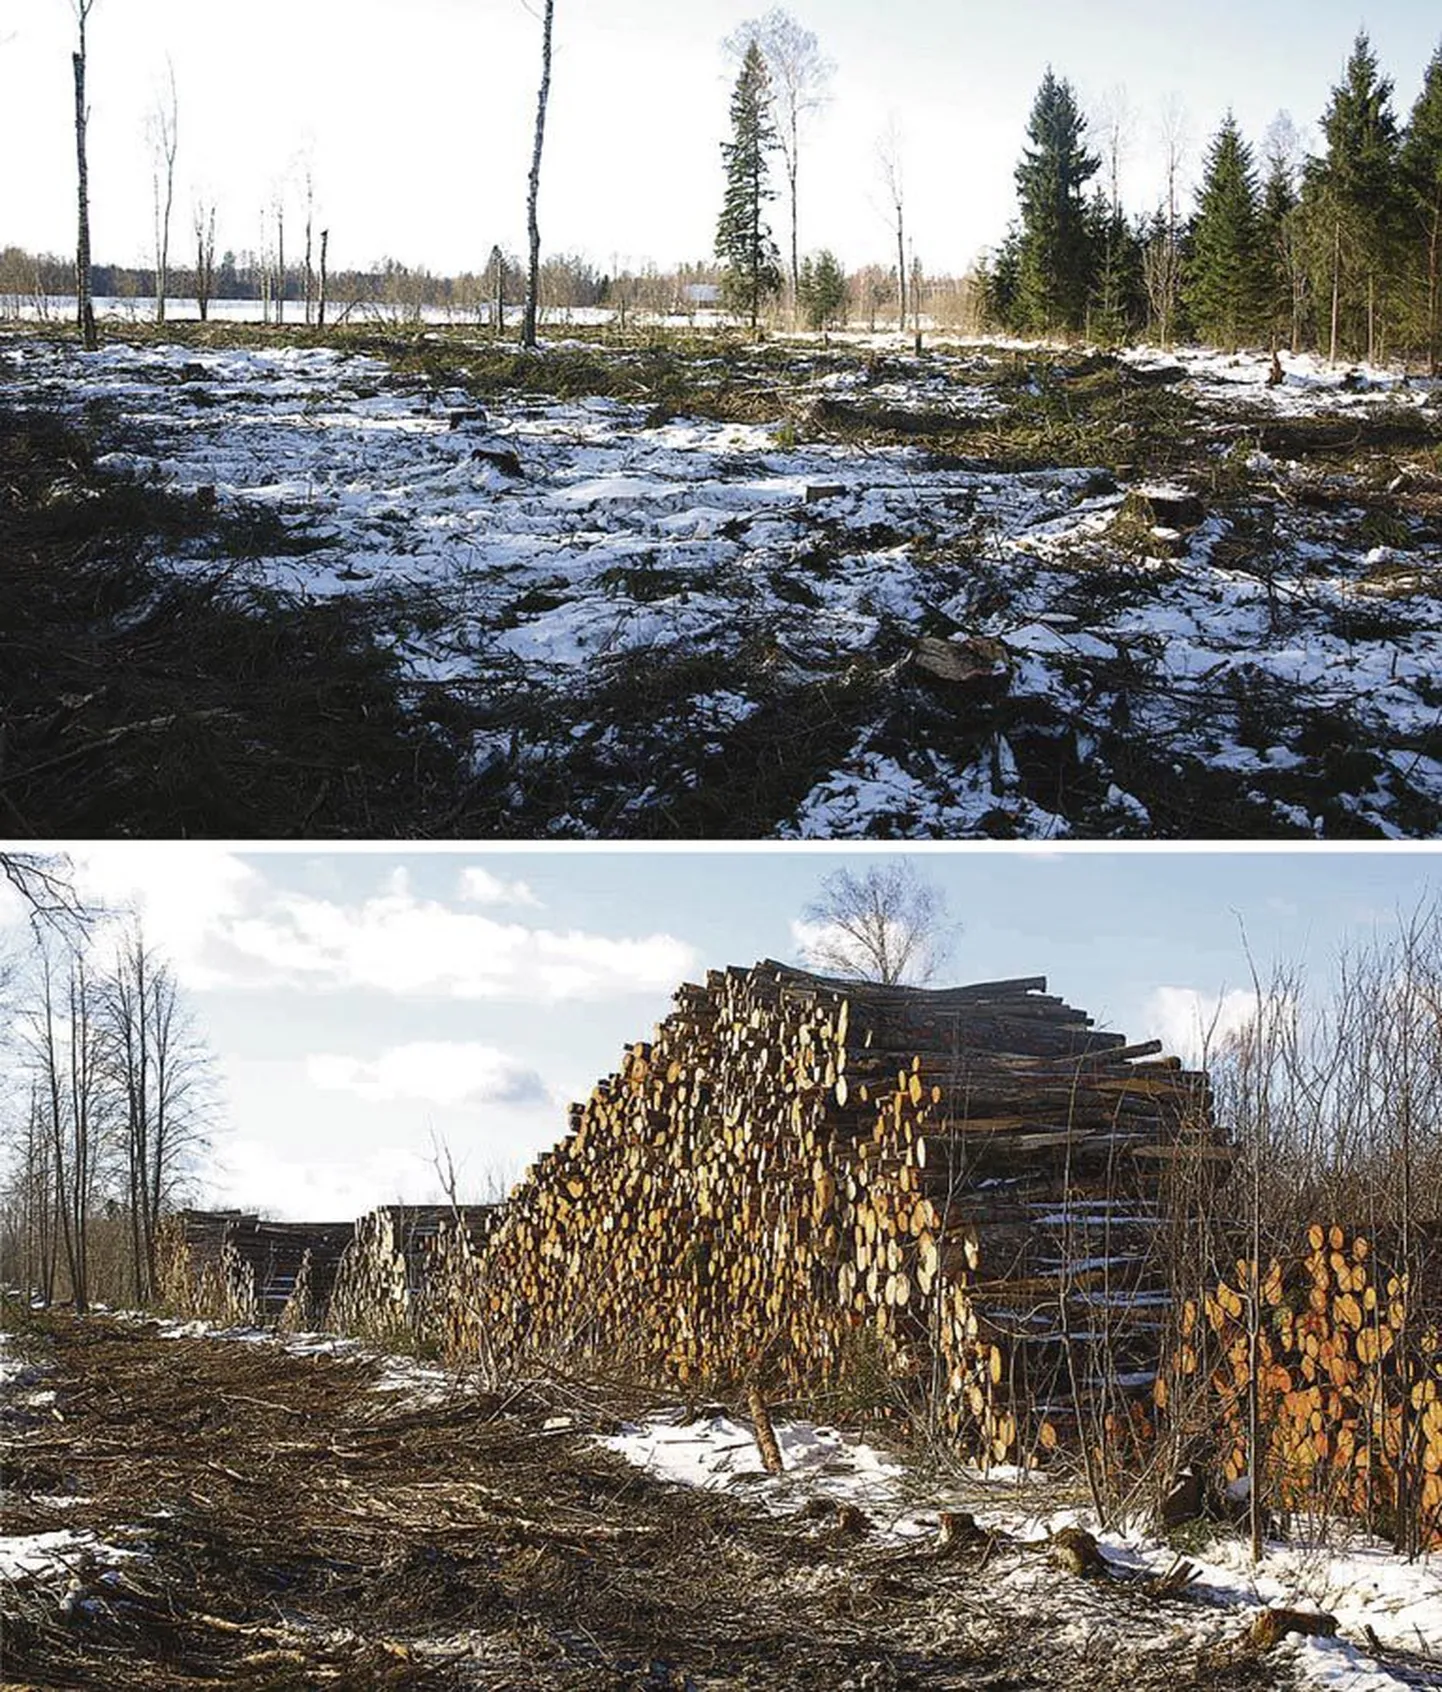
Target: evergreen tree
998 281
1421 161
1055 255
1223 290
822 291
1116 305
743 238
1353 196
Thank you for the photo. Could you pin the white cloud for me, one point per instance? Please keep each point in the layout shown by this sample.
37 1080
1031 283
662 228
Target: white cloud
1189 1021
300 1185
479 887
435 1072
223 925
185 891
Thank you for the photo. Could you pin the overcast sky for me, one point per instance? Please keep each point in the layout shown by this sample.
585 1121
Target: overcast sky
361 1003
415 118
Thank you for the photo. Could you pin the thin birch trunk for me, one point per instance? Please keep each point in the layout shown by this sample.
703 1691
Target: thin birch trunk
533 276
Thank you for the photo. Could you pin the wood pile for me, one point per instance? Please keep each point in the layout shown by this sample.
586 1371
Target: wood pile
818 1184
1348 1381
232 1266
390 1276
190 1276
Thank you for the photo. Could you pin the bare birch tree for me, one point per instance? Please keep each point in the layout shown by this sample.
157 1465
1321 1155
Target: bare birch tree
887 925
63 1037
888 156
280 256
160 1072
163 125
1163 262
800 82
533 193
204 224
309 244
84 303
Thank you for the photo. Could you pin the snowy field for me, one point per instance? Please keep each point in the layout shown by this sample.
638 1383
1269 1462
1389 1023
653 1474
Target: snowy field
637 601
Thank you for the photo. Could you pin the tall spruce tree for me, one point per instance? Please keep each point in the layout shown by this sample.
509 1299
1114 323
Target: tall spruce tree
743 237
1224 279
1353 195
1422 175
1056 252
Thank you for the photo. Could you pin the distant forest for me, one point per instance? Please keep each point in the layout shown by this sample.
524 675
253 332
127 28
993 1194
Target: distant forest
567 282
1340 252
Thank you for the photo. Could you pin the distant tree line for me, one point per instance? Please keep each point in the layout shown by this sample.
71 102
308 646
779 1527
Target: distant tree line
1339 252
567 280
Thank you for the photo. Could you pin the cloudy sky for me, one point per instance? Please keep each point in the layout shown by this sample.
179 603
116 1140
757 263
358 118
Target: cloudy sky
364 1003
414 119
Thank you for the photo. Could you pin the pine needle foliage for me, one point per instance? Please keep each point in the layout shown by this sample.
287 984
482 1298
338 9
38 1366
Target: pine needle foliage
744 242
1421 162
1055 255
822 291
1225 276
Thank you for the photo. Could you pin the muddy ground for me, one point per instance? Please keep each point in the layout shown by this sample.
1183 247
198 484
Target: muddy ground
244 1517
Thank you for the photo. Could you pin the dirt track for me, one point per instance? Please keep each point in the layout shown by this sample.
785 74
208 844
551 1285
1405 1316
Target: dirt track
293 1527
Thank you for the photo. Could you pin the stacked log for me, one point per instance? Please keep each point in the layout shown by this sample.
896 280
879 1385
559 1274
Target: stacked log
384 1286
809 1182
193 1277
1348 1381
232 1266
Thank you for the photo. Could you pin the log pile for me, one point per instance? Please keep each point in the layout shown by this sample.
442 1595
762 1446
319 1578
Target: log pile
231 1266
807 1182
191 1278
1348 1381
390 1276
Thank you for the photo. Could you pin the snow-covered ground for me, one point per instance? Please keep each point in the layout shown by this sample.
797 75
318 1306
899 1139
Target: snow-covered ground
1364 1586
568 551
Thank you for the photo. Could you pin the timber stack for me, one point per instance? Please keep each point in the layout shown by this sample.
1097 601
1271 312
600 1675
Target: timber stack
1338 1355
235 1267
390 1276
800 1180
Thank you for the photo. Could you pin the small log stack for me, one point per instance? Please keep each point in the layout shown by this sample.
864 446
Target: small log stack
191 1277
803 1181
1349 1380
232 1266
389 1277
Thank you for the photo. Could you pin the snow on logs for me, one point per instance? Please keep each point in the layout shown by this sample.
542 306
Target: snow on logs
805 1181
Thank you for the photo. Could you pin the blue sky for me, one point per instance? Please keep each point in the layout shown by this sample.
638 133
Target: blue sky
362 1002
415 118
